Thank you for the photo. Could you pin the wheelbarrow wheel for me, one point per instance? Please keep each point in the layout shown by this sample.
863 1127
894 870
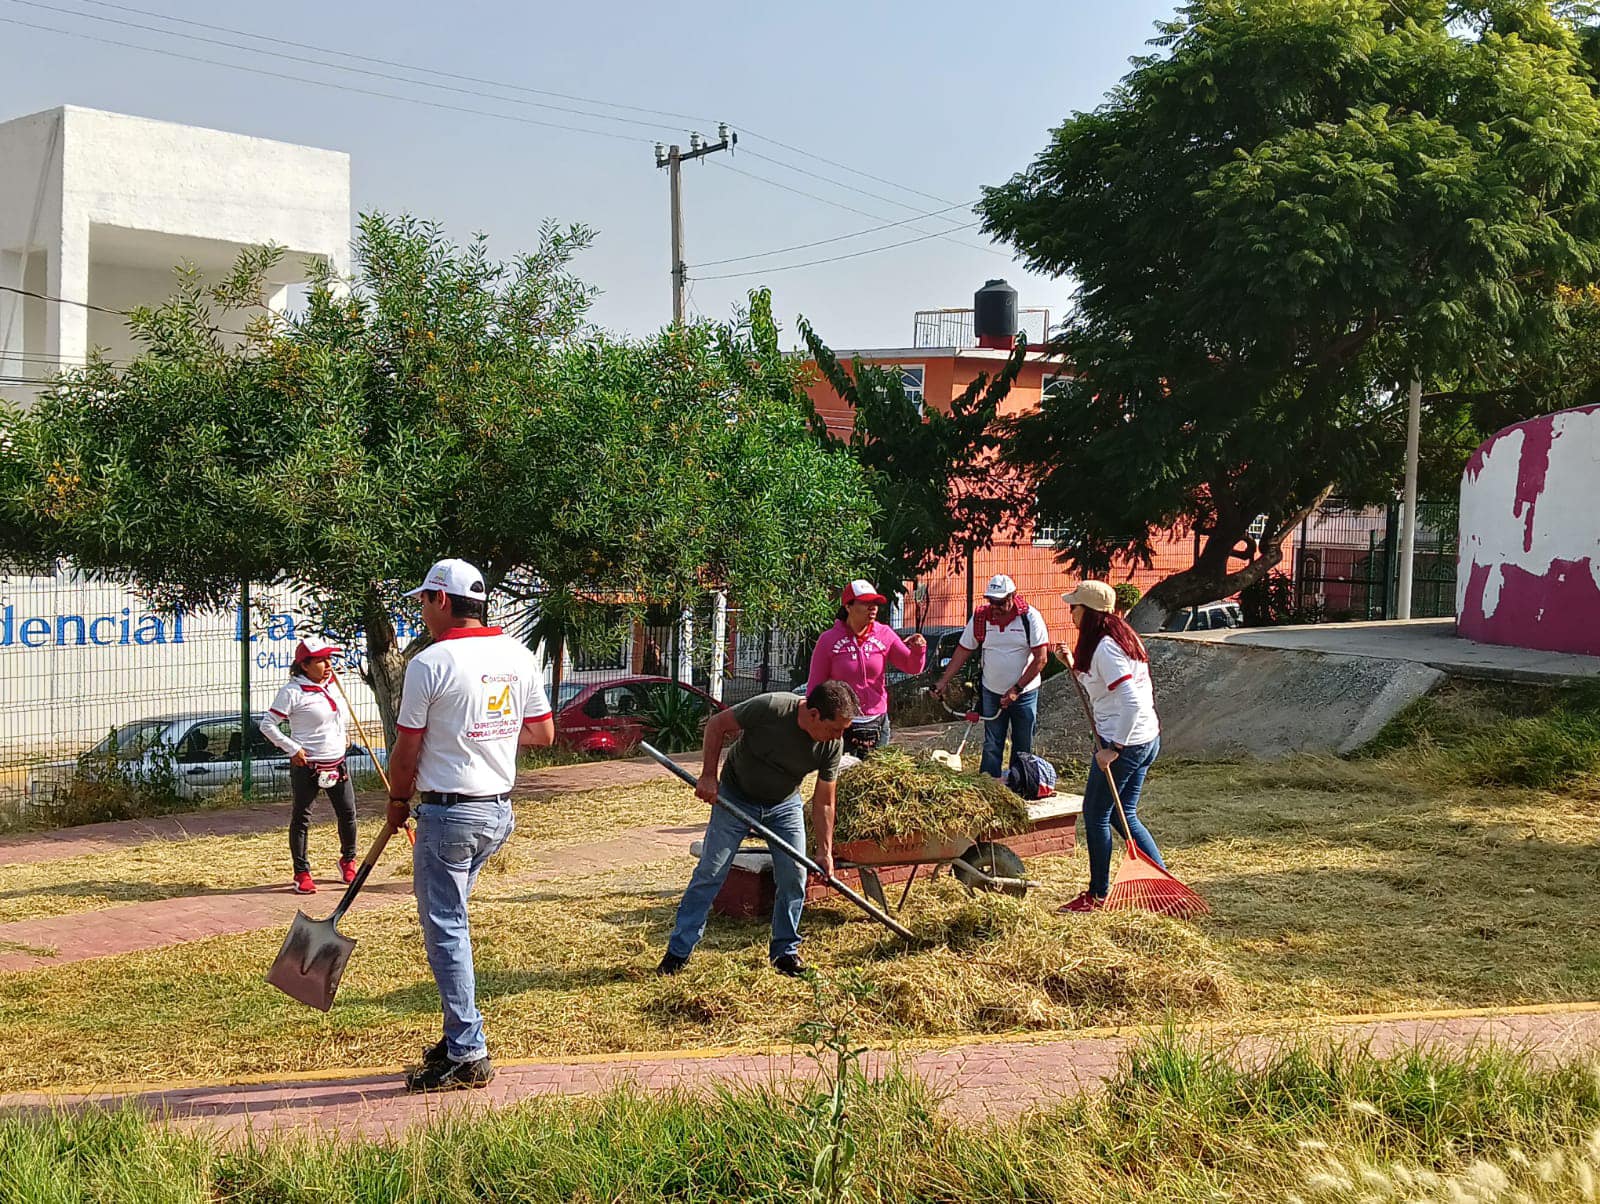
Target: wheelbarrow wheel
994 860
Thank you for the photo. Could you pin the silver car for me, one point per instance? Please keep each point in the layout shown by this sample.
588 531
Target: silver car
201 750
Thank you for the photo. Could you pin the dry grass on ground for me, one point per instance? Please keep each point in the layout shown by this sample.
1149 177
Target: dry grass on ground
1338 887
218 865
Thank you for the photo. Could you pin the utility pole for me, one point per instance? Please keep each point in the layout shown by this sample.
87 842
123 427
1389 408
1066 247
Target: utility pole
1408 500
673 158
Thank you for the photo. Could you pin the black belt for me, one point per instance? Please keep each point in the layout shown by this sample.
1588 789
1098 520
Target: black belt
444 798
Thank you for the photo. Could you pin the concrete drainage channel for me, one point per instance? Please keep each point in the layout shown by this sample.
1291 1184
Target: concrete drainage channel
1329 688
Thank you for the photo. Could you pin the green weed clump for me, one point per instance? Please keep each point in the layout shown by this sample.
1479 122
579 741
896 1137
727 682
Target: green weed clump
891 794
1477 734
1176 1123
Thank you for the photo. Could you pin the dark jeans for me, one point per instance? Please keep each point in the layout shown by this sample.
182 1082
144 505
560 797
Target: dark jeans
1021 718
1100 812
303 783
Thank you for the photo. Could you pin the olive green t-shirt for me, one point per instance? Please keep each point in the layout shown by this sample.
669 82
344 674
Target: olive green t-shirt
774 754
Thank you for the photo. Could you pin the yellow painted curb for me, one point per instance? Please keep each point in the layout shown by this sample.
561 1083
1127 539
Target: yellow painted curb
1242 1027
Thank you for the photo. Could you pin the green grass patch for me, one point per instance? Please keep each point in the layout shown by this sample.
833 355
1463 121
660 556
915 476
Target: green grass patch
1177 1123
1480 734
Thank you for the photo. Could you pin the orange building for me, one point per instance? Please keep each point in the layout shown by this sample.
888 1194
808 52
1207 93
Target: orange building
935 376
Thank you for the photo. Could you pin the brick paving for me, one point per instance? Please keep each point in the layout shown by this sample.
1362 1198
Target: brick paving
993 1079
31 847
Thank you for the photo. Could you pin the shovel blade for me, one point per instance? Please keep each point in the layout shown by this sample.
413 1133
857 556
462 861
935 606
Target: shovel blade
312 961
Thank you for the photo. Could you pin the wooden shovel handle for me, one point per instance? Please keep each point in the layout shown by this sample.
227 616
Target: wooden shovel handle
360 879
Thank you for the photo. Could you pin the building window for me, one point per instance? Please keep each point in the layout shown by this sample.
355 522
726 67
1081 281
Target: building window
1258 529
1053 386
1049 535
912 377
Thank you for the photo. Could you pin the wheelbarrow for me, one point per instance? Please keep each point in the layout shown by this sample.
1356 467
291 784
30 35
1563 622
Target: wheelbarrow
977 864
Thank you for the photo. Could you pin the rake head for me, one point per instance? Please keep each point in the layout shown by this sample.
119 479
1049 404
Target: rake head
1141 885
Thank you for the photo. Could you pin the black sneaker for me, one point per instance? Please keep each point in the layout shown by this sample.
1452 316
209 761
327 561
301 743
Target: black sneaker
450 1076
436 1055
671 963
791 965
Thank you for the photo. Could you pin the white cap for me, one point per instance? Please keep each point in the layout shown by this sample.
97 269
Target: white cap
454 577
1000 586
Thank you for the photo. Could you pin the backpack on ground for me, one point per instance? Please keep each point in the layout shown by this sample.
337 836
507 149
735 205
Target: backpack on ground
1031 777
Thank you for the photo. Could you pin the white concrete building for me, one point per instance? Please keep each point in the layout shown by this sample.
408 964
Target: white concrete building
97 209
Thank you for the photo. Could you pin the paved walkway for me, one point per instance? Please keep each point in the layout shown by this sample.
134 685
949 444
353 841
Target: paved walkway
243 821
1431 642
978 1079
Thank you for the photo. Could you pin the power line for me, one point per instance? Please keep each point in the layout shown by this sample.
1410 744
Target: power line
805 171
322 83
833 163
822 242
811 263
367 58
466 78
294 58
946 234
24 292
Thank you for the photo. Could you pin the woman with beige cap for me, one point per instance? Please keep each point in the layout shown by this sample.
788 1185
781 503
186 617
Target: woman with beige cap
1114 669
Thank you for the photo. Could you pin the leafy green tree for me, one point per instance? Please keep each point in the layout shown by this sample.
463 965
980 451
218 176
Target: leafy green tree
443 404
1277 220
935 476
690 468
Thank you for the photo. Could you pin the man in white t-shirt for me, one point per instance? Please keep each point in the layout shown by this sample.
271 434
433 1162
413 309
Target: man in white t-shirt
471 698
1015 646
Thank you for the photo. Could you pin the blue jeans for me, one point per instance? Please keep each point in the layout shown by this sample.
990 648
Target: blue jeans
1100 812
724 835
452 845
1021 717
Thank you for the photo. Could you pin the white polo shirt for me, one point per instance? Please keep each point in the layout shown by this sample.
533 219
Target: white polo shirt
468 694
1121 694
1007 650
316 724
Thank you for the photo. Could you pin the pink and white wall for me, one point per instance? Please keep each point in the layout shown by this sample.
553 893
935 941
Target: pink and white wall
1530 536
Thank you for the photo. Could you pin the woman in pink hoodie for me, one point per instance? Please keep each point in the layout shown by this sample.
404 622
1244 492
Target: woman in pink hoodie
858 651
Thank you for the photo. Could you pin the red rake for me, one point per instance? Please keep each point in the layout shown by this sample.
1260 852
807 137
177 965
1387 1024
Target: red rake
1141 884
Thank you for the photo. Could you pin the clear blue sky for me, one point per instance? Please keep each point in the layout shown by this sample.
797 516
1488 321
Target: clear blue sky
936 97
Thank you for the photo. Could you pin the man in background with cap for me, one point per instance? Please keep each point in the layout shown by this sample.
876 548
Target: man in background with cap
471 698
1015 645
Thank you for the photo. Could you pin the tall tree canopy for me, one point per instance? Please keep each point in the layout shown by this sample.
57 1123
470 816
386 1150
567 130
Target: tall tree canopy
441 403
1276 221
932 472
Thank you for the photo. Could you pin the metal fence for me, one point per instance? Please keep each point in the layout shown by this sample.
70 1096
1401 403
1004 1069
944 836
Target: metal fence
86 664
1347 562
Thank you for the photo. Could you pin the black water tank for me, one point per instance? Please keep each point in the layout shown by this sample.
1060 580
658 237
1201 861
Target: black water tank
994 314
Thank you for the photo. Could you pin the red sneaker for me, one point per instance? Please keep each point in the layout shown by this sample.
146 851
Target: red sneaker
1084 902
347 869
303 884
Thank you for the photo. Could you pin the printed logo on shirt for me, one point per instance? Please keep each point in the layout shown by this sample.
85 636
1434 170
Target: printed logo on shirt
498 717
851 645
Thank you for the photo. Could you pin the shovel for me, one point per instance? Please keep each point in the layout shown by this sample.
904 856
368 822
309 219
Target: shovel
314 954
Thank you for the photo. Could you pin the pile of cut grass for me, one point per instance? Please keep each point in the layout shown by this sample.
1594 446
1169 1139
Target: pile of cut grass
891 794
1177 1122
982 963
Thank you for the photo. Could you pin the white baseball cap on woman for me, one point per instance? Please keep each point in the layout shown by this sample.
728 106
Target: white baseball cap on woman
1096 595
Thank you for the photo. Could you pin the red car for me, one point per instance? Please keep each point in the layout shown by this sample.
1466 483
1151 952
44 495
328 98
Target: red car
611 717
